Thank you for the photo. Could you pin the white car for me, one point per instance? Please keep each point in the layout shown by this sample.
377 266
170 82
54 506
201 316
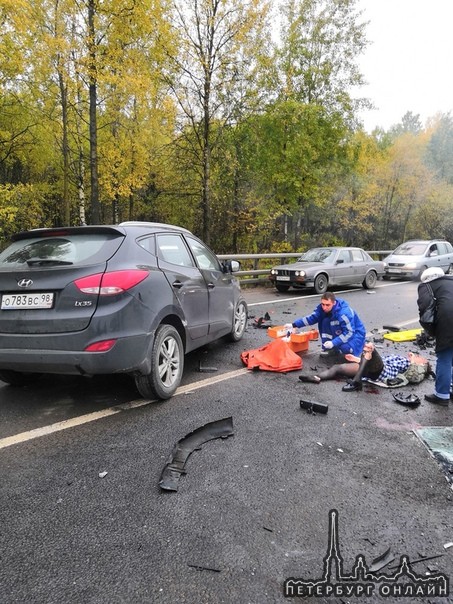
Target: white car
411 258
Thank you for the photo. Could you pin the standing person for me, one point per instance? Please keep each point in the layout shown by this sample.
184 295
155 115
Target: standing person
339 326
442 330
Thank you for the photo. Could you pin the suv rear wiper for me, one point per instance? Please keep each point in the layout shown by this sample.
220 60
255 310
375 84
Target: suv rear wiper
47 261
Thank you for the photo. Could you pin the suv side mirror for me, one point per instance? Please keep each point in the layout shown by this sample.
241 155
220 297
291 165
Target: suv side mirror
231 266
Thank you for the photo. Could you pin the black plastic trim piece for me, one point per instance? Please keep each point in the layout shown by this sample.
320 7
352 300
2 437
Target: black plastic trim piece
313 407
169 479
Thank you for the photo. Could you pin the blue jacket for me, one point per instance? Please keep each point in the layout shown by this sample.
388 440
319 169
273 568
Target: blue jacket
342 325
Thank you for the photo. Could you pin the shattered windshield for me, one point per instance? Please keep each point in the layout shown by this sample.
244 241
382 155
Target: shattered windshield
318 254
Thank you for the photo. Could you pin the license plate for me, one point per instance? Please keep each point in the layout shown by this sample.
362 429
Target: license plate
393 270
25 301
282 278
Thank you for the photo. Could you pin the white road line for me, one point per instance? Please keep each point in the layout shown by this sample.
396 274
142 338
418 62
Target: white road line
410 322
91 417
345 291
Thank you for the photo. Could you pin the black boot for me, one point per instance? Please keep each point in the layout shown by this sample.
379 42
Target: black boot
367 368
370 368
352 386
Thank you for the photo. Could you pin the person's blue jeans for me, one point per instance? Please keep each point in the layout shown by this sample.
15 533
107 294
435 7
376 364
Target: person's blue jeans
444 372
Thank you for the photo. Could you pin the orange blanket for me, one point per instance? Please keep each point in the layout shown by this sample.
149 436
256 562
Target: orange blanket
275 356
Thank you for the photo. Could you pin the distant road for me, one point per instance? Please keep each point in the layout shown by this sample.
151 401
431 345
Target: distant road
391 302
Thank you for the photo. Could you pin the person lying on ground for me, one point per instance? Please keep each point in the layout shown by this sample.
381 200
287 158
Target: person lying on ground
369 365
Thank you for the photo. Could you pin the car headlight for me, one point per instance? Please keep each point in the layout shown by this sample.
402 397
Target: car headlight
300 273
273 271
411 265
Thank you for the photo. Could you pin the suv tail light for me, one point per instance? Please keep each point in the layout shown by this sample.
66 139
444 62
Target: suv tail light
110 284
102 346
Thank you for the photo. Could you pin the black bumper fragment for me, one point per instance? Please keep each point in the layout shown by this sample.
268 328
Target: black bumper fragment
174 467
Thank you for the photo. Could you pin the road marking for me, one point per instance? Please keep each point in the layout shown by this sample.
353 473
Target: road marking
409 322
293 299
403 324
91 417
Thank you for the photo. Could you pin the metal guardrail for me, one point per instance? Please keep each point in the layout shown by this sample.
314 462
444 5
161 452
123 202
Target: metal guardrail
260 275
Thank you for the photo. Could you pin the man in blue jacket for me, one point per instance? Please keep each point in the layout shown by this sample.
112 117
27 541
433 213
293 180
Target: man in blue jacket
339 326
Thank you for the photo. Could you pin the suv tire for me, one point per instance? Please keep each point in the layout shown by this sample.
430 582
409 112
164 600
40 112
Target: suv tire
239 321
167 364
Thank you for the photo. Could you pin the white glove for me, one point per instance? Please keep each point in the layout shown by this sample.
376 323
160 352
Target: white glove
328 345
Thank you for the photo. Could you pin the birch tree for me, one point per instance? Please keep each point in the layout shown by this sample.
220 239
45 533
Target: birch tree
213 77
320 43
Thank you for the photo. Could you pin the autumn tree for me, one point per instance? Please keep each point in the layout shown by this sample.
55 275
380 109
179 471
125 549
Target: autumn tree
16 123
320 43
394 189
213 78
355 213
439 154
314 107
410 123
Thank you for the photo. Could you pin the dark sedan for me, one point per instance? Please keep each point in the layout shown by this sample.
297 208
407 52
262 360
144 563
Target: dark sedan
131 298
323 267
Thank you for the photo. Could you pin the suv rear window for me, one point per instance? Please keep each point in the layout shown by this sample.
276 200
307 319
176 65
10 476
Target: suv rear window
59 250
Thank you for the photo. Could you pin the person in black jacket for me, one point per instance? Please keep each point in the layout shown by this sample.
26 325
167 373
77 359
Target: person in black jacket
435 283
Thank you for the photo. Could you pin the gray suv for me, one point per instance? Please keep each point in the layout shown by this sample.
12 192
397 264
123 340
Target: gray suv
132 298
411 258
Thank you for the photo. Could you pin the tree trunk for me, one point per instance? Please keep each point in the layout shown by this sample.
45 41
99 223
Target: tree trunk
94 197
81 191
65 214
205 195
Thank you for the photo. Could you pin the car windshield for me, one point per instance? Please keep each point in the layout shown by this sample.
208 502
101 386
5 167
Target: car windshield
319 254
411 248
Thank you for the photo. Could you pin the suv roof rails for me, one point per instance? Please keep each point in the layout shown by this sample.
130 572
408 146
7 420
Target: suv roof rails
162 225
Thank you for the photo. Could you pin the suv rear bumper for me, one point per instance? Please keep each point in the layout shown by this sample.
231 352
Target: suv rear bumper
128 355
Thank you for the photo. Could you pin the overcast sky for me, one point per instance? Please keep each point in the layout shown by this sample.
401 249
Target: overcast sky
409 62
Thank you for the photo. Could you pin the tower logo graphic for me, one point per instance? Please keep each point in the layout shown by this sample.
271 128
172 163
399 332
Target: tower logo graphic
362 582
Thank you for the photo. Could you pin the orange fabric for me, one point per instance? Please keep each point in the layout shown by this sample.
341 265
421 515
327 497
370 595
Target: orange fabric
275 356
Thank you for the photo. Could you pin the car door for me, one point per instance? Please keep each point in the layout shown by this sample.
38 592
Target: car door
433 255
360 265
444 256
343 270
220 288
449 252
187 282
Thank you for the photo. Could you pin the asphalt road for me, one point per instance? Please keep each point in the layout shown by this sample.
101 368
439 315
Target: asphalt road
83 519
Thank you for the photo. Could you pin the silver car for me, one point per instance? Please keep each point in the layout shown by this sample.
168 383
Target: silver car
323 267
411 258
